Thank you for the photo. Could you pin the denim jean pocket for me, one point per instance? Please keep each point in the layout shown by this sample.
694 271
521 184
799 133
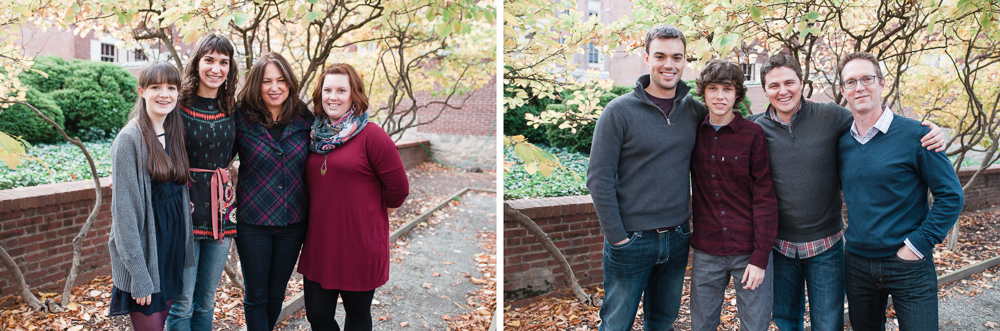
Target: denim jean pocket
895 257
632 236
684 230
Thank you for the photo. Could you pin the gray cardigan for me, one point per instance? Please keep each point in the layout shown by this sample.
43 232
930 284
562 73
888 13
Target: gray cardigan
640 161
805 170
132 242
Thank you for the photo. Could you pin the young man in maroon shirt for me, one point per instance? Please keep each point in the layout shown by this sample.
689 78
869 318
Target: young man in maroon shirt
734 206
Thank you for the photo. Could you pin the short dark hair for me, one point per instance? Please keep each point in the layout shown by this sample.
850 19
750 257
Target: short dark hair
664 31
778 61
724 73
855 56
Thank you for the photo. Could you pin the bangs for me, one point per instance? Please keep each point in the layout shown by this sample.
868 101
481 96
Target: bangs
159 73
215 44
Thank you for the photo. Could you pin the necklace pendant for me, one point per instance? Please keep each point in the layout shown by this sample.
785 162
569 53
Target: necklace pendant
322 172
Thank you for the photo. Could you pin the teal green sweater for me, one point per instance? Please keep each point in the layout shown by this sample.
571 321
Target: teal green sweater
885 186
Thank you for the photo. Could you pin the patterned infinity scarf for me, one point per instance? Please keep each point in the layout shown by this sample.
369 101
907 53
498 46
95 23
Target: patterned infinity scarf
326 136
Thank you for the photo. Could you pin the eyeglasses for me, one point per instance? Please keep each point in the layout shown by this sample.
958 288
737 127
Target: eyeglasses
866 80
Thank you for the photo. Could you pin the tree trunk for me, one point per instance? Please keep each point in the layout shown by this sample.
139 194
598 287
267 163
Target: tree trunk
18 281
532 227
231 270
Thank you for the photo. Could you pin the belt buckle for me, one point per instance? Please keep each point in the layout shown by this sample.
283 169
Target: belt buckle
665 230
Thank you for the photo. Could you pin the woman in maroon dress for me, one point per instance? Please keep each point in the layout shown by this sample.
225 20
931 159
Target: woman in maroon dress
355 179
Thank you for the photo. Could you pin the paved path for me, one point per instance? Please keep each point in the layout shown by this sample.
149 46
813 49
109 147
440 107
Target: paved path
962 312
446 247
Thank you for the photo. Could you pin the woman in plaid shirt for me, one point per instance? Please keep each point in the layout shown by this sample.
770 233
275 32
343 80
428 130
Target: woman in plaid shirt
272 140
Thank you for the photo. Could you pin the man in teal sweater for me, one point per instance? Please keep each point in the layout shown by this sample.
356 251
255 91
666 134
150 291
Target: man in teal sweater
891 232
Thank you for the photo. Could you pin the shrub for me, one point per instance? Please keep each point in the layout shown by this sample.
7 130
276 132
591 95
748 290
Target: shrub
55 67
515 124
96 99
518 184
19 120
64 162
580 140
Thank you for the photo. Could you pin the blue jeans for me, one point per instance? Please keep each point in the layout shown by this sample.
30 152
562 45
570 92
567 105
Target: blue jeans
824 275
194 307
912 284
267 256
649 262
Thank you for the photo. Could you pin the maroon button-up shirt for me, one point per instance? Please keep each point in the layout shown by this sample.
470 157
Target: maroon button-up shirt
734 208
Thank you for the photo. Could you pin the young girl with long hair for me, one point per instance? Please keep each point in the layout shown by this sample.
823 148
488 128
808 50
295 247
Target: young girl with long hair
150 240
355 179
206 105
272 139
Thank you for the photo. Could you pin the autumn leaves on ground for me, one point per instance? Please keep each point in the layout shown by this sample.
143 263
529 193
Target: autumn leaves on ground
430 184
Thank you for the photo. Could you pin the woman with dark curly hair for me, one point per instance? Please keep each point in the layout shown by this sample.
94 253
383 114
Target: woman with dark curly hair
272 139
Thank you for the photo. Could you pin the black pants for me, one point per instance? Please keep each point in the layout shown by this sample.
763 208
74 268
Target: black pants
321 307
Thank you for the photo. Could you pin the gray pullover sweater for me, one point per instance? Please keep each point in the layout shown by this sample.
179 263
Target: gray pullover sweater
640 160
132 242
805 171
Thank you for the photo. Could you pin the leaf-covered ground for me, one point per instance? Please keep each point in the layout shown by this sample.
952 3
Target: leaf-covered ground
979 240
429 185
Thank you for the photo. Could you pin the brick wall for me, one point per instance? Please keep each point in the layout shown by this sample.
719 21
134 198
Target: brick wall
476 118
573 225
38 223
37 226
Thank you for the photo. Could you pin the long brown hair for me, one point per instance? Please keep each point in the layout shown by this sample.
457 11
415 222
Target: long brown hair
252 101
359 100
162 167
211 43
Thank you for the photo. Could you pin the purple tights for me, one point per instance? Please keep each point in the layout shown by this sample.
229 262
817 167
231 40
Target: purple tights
154 322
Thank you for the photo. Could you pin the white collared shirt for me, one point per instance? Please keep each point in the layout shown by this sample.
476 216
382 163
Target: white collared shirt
882 124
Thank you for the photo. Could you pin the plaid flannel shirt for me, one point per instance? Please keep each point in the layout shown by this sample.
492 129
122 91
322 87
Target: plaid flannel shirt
271 190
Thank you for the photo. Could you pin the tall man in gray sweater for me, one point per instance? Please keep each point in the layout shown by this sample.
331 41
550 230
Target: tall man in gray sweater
802 140
639 181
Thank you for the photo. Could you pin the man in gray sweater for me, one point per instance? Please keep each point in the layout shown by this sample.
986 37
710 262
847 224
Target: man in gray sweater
639 181
802 140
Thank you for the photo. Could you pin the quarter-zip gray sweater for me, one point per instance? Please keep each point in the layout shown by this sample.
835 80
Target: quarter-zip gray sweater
640 160
805 170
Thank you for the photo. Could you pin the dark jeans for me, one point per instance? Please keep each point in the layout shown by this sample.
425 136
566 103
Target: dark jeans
267 255
912 284
823 274
651 263
321 306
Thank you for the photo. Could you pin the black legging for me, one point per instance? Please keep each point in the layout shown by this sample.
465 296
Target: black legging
321 307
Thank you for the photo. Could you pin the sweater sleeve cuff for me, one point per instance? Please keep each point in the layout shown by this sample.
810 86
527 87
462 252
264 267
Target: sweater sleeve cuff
760 258
615 235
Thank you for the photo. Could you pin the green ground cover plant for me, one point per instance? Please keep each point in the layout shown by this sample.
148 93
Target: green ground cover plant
65 161
519 184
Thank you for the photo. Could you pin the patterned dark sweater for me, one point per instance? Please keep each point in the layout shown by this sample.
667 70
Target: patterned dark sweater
210 138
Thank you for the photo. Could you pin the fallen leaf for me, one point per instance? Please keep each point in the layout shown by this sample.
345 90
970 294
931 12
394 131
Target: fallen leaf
514 323
404 324
992 325
436 274
75 328
428 285
446 317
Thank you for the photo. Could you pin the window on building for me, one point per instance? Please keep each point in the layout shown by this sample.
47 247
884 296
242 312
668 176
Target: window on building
107 52
593 55
140 55
748 71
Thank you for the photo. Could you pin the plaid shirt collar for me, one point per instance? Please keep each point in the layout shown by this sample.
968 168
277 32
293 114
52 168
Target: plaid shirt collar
773 113
882 124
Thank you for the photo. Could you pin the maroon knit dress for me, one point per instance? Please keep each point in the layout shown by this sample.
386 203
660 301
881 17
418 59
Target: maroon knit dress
347 243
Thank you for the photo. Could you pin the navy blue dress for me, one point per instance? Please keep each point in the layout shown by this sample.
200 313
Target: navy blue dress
168 211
